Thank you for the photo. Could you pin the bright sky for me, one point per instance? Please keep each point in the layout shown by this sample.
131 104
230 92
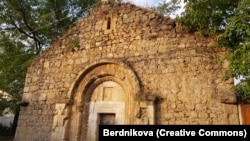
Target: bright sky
147 3
152 3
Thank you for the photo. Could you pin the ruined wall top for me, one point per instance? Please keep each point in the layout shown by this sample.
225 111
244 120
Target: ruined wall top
139 22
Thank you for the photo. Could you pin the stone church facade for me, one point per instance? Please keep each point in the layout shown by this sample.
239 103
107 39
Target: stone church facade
124 64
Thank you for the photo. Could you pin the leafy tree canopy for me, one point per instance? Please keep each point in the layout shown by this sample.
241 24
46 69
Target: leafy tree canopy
168 8
27 27
14 60
38 22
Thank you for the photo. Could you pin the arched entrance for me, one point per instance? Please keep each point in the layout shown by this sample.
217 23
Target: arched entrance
102 94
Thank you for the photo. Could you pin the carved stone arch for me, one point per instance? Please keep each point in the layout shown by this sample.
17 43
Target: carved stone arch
81 75
81 91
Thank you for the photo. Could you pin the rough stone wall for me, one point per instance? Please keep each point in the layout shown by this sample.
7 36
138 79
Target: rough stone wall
180 69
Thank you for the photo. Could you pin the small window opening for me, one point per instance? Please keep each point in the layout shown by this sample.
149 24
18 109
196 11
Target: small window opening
109 23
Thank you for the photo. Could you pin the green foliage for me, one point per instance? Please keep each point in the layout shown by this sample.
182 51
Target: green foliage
27 27
229 20
39 22
237 38
74 42
168 8
14 60
243 90
208 16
